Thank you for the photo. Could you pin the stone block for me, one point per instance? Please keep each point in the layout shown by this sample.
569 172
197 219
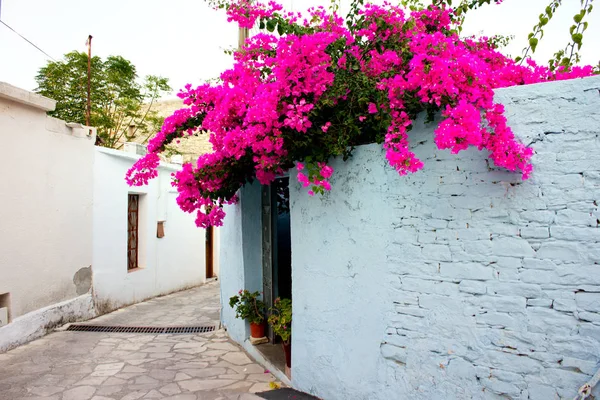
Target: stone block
575 218
473 287
588 301
460 271
533 263
535 232
570 233
512 247
436 252
508 304
501 388
538 391
551 322
567 305
410 310
430 287
478 247
560 250
543 217
588 316
514 289
497 320
427 237
394 353
547 303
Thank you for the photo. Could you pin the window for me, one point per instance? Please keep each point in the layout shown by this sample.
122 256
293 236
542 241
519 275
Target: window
133 211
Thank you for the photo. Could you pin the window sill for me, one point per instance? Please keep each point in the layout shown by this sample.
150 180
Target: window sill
135 269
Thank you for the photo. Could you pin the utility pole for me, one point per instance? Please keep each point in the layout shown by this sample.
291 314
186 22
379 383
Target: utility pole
89 82
243 35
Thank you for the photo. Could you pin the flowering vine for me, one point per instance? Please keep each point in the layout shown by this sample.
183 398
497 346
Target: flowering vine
322 85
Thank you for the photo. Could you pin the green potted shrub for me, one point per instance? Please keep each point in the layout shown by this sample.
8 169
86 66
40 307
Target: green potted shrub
248 307
281 322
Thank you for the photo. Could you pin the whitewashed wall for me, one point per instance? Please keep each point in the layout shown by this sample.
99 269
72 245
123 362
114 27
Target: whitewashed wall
45 217
460 281
168 264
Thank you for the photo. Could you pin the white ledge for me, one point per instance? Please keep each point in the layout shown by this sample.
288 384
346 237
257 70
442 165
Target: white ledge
26 97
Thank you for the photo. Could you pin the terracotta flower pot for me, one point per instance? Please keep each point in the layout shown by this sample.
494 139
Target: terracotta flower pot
257 330
287 349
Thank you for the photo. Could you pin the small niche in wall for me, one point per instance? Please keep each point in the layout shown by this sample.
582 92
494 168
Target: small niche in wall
160 229
4 309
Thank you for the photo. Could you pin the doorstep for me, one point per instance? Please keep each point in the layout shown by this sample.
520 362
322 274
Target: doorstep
276 368
285 394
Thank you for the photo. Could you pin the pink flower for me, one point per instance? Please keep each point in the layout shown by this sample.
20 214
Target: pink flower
326 170
267 108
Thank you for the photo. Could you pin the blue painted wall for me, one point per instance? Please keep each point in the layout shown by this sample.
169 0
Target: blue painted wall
240 255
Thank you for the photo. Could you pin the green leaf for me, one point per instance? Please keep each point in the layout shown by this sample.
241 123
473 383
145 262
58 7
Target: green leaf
271 25
577 37
533 42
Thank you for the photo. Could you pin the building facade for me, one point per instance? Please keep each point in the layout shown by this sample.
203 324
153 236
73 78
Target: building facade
459 281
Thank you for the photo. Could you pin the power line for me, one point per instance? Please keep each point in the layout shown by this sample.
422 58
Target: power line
27 40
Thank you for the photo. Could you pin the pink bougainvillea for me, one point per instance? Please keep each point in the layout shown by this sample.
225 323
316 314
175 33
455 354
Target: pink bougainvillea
319 87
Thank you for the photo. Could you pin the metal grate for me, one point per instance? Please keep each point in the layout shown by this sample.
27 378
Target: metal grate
142 329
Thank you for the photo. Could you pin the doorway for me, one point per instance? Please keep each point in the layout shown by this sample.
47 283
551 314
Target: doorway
209 245
277 257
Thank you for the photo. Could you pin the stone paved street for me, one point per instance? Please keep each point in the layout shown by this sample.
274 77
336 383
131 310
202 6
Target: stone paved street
115 366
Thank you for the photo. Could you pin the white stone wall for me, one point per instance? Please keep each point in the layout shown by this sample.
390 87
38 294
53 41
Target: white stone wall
460 281
45 217
173 262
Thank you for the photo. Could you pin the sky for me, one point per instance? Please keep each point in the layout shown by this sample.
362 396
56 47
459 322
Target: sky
184 40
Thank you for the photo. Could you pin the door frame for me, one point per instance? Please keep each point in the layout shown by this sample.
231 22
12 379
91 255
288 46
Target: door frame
209 253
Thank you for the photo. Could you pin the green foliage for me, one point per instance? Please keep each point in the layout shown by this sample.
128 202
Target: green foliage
248 306
570 54
537 32
281 319
118 100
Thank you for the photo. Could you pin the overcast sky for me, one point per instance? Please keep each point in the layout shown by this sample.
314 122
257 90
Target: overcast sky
183 40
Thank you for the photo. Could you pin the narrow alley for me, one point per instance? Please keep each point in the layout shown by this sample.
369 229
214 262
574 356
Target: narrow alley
67 365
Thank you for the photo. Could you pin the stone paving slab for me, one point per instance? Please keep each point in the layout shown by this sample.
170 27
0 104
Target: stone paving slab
116 366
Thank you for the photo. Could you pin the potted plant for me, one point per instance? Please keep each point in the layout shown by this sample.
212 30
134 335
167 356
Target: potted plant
281 322
248 306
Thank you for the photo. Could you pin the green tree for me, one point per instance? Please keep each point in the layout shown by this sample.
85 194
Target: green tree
121 106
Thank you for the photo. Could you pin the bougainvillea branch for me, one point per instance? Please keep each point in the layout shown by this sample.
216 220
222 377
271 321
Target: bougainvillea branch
312 87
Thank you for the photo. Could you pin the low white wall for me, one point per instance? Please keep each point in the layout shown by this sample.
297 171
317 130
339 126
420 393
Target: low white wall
46 214
168 264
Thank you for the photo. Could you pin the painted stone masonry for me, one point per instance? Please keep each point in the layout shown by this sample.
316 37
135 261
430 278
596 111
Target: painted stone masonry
460 281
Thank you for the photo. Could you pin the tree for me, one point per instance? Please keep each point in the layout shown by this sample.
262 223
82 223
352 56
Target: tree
121 106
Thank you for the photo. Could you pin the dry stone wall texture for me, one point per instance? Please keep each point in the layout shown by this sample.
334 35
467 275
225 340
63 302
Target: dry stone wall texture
461 281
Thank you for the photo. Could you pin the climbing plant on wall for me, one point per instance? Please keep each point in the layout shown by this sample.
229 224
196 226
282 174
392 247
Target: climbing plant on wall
309 88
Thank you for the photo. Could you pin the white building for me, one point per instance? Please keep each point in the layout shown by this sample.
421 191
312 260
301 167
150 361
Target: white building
64 212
